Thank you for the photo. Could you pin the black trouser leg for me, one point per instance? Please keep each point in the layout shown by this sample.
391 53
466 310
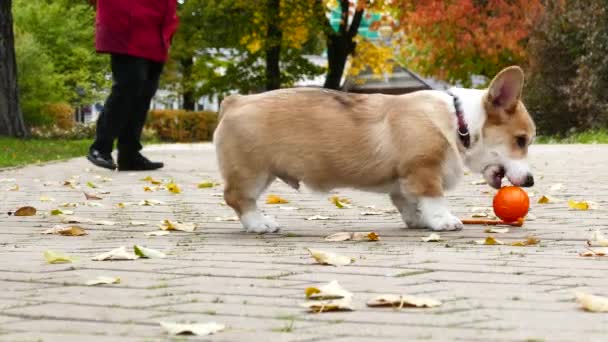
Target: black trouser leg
129 138
128 76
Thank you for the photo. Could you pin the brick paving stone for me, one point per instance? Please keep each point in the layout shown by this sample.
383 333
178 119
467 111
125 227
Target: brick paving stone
253 284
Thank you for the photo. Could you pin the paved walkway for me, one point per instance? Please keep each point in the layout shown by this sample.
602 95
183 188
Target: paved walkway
253 284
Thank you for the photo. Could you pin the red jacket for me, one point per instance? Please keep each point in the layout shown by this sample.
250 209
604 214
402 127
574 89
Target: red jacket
140 28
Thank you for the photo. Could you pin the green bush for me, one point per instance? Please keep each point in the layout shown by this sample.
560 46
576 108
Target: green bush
182 125
568 71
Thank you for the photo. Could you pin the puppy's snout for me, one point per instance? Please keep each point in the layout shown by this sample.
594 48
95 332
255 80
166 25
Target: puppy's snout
529 181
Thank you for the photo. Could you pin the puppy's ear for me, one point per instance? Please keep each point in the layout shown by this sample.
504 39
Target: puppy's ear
505 89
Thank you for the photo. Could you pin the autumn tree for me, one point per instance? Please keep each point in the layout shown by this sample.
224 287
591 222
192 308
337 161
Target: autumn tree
454 39
11 120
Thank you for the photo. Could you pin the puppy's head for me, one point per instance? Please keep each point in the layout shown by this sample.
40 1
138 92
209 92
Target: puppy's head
507 132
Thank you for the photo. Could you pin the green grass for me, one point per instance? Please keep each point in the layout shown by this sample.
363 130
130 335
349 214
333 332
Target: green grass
597 136
18 152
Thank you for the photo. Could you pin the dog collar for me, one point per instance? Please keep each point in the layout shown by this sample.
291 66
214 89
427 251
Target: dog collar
463 129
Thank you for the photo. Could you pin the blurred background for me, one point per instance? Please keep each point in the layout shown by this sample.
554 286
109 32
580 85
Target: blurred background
390 46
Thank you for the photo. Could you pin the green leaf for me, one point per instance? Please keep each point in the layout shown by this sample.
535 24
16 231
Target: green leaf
57 257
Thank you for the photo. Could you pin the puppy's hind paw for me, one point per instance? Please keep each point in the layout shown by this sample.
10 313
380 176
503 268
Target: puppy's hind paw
257 223
445 223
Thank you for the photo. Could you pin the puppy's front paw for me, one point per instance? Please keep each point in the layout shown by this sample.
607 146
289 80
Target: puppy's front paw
258 223
445 222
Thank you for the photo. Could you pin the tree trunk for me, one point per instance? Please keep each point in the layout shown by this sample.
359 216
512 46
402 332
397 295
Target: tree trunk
274 36
340 45
188 93
11 120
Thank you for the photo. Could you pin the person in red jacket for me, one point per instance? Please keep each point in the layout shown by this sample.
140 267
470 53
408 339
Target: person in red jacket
137 35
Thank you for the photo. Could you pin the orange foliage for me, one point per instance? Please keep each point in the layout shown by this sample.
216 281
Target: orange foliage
452 39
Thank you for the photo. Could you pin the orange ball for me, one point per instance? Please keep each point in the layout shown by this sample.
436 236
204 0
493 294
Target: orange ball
511 203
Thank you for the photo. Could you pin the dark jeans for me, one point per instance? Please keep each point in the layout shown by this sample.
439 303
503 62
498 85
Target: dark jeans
135 81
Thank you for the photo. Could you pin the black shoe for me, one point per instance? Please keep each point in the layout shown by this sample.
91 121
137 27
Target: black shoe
136 162
101 159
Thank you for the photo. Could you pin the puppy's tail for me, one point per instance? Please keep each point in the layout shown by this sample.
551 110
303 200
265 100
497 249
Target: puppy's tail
230 99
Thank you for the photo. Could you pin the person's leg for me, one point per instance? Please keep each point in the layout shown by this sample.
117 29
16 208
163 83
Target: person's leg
128 75
129 138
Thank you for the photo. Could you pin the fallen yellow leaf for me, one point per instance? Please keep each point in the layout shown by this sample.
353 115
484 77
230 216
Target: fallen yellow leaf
353 236
340 203
530 241
328 258
101 280
490 240
344 304
400 301
333 290
66 231
120 253
274 199
199 329
496 230
598 239
57 257
177 225
592 303
547 199
152 180
173 188
434 237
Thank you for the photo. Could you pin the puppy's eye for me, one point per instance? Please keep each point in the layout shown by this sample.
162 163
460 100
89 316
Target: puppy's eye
522 141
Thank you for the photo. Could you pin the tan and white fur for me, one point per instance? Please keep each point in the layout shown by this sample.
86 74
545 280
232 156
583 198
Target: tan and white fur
406 146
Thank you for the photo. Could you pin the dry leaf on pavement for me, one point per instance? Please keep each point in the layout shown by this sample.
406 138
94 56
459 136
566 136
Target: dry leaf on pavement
328 258
57 257
101 280
434 237
496 230
598 239
592 303
596 252
200 329
177 225
530 241
91 197
490 240
151 180
547 199
318 218
137 223
25 211
149 253
120 253
340 203
333 290
353 236
205 185
582 205
173 188
157 233
66 230
275 199
344 304
401 301
148 203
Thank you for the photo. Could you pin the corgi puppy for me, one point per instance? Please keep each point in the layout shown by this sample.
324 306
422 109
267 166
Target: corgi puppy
414 147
